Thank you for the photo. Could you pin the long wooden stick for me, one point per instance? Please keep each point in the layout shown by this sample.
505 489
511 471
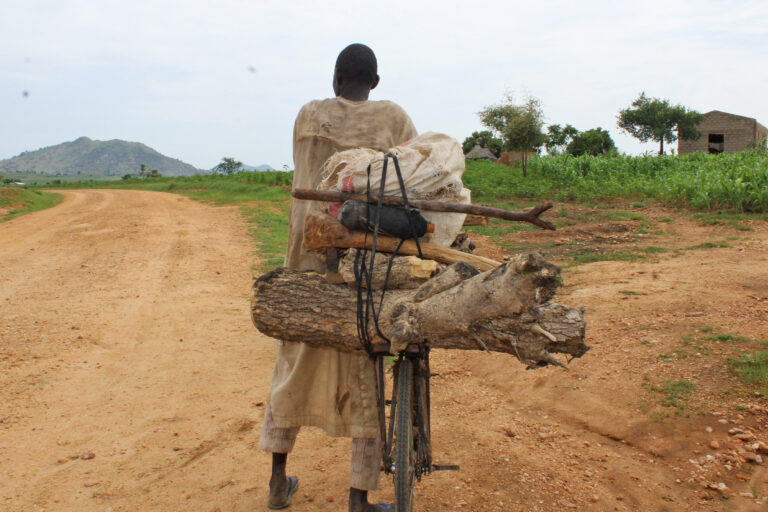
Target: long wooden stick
322 230
531 216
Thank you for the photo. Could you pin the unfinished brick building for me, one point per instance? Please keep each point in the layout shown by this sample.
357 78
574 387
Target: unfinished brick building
722 132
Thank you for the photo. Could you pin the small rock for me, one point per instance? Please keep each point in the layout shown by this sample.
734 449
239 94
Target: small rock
87 455
762 447
594 499
749 456
708 429
62 461
714 445
735 430
90 484
746 495
330 499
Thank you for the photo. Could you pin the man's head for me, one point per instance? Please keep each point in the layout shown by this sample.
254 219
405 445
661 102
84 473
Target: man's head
355 72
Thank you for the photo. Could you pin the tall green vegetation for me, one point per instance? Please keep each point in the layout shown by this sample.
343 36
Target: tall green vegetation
518 125
658 120
737 182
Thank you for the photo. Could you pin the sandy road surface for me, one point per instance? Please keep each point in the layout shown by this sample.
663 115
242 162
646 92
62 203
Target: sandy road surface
124 332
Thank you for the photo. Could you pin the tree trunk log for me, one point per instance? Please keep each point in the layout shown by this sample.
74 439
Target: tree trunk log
503 310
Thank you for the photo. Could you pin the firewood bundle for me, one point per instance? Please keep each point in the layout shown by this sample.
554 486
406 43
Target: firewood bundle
451 300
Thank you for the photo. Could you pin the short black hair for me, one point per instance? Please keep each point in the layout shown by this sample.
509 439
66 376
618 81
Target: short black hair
357 63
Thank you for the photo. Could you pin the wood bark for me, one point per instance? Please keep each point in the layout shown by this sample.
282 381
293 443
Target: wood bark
322 231
506 309
531 216
406 272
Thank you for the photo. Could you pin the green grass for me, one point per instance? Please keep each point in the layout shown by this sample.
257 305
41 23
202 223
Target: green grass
652 249
711 245
752 368
269 223
22 200
726 337
676 393
589 256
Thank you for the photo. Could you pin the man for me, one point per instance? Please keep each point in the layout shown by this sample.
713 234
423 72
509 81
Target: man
322 387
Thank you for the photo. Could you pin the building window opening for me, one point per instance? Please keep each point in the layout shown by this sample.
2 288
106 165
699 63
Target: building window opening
716 142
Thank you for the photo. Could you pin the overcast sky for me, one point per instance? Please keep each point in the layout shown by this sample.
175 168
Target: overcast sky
199 80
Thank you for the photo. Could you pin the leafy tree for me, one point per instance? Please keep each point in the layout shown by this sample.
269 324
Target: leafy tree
485 139
154 173
228 166
519 126
591 142
143 171
657 120
127 176
559 137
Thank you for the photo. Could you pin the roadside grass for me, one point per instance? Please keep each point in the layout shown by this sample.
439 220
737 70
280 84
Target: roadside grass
19 201
269 227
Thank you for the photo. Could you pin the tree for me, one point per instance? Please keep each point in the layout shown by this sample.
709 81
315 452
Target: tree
559 137
519 126
228 166
657 120
591 142
485 139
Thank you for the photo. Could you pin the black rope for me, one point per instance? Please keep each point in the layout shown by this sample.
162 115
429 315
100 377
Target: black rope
366 305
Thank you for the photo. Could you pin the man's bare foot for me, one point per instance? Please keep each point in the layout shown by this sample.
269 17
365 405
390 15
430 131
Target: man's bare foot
280 486
358 502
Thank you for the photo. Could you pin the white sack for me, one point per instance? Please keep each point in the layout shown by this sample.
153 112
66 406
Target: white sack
431 165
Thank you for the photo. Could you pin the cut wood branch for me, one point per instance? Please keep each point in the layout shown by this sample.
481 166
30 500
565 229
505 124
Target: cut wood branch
502 310
322 231
531 216
406 272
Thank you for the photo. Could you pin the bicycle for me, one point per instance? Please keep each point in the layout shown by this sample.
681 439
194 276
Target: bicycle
407 447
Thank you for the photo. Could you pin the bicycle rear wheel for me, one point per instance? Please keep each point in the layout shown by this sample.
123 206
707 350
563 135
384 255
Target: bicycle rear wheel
405 452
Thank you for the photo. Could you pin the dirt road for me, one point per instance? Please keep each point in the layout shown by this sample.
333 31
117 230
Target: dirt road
124 334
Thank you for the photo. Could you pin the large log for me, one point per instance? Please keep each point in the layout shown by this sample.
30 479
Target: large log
504 310
322 231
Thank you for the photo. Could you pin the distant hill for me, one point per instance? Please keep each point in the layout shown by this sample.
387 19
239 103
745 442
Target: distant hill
260 168
87 156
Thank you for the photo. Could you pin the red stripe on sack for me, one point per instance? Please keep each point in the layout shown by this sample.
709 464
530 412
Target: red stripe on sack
348 184
334 209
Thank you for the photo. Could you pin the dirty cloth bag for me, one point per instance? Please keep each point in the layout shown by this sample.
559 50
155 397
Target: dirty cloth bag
431 165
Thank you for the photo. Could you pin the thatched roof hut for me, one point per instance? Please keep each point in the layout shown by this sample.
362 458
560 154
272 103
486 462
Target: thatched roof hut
478 153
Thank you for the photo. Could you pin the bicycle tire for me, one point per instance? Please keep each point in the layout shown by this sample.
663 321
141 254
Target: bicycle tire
405 453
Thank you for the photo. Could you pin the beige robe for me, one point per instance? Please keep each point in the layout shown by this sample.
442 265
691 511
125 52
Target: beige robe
323 387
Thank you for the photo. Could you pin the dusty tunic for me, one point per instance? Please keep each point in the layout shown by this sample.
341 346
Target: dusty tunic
323 387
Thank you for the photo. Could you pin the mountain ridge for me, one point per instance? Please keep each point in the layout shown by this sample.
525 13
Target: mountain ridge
88 156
